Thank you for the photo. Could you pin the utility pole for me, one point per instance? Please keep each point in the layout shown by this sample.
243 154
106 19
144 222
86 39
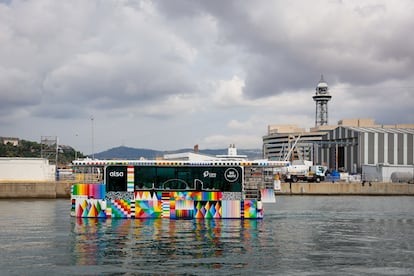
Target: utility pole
93 154
76 152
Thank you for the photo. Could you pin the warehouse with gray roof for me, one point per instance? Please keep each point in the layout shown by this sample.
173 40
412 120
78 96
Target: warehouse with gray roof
347 146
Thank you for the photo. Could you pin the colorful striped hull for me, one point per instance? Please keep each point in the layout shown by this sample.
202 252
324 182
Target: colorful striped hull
90 200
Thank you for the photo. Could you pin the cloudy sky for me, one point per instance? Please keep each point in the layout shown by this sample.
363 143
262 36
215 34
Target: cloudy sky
171 74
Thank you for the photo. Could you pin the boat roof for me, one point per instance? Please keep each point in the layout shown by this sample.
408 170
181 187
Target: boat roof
253 163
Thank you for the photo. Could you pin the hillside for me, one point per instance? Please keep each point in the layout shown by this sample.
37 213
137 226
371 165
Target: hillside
123 152
33 149
67 153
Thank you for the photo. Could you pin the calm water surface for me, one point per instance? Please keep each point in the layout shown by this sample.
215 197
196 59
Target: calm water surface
307 235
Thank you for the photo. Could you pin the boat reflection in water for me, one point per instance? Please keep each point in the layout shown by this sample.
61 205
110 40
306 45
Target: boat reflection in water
156 244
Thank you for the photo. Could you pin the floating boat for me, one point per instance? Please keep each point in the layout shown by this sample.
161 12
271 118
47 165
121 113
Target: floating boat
174 189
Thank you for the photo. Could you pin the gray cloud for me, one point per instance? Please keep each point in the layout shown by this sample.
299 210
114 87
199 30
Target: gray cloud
168 64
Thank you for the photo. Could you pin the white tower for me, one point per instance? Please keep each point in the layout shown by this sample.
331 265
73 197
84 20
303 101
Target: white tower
321 98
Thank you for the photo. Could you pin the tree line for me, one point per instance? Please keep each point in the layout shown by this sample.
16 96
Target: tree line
66 154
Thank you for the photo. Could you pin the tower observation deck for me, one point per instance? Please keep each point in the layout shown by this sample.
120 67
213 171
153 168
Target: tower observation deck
321 99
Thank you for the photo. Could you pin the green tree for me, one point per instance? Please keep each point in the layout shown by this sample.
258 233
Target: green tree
33 149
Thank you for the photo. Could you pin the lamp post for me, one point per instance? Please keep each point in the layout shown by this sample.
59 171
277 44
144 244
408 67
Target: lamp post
76 152
93 154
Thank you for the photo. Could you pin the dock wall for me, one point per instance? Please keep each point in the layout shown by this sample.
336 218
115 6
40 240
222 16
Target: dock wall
35 189
61 189
344 188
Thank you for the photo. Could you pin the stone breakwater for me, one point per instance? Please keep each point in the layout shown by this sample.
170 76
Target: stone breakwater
61 189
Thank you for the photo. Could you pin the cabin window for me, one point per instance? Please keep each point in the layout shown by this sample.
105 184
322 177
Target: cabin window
174 178
181 178
144 177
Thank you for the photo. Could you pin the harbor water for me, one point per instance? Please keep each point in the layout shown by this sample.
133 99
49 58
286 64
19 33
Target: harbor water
299 235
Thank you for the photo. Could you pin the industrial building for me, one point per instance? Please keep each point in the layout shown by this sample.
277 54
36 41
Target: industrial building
360 142
288 142
26 169
347 146
197 156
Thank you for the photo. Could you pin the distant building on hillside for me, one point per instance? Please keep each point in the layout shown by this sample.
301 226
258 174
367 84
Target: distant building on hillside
9 140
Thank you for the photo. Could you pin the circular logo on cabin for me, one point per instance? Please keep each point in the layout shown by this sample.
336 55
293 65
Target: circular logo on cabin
231 175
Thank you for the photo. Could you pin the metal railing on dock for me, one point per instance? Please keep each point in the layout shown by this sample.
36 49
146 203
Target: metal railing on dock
255 179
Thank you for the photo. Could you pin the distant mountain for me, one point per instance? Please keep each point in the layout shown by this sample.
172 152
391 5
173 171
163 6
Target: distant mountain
128 153
123 152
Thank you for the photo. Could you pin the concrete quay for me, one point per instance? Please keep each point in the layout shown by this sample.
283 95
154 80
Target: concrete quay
35 189
347 188
61 189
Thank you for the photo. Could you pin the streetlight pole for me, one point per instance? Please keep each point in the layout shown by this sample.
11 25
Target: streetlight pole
76 152
93 154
